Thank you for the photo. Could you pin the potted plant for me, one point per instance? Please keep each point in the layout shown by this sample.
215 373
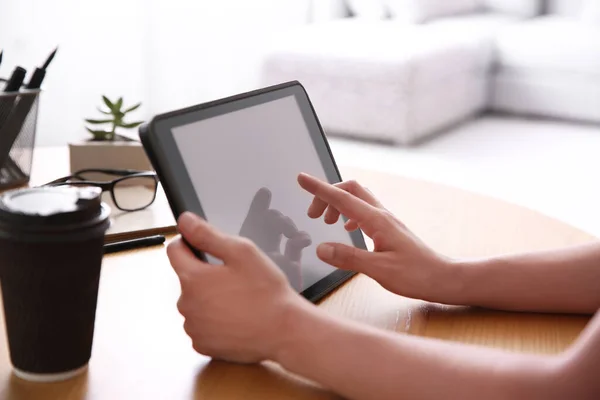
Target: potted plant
110 146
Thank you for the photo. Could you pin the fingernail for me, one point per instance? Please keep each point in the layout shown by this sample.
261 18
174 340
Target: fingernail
325 251
304 175
186 222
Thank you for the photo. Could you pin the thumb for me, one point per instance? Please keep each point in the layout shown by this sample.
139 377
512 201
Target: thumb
346 257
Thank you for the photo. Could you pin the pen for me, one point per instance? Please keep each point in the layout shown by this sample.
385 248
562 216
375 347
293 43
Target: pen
38 75
14 122
133 244
1 52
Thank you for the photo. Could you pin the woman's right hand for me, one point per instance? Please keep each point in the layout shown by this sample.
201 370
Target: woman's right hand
400 261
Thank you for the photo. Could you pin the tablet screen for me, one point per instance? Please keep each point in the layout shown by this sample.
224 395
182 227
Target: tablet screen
243 166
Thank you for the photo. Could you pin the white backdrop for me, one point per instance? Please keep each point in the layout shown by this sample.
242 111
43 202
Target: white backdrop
165 53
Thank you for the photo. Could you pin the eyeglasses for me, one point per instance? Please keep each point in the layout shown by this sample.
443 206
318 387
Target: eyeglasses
132 190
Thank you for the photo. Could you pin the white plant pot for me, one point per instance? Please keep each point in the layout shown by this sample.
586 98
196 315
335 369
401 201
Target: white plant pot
108 154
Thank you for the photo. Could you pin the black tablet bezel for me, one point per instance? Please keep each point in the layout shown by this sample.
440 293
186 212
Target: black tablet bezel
159 143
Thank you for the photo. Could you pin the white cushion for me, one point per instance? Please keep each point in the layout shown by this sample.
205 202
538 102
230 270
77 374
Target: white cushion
327 10
590 12
356 49
382 79
418 11
483 26
552 94
369 49
566 8
367 8
551 43
521 8
480 28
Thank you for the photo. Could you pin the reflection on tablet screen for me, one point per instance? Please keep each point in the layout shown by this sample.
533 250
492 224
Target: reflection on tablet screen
266 227
244 165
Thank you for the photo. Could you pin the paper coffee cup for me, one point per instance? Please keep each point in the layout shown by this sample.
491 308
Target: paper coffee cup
51 241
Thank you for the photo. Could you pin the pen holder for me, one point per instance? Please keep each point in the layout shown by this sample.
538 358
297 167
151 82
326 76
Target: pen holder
18 121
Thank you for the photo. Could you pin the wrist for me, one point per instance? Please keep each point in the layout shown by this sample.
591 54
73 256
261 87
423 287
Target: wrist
468 279
296 323
451 285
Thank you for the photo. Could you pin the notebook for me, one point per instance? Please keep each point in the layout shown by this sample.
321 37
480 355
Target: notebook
154 220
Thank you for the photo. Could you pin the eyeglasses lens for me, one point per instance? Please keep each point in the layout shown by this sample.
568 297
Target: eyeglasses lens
135 192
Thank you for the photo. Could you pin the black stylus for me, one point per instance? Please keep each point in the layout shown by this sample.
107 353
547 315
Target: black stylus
1 53
133 244
38 75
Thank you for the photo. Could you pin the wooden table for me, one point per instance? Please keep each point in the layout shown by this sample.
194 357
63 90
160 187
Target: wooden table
141 351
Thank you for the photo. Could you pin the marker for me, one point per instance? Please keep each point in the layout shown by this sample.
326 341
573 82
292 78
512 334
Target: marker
134 244
16 80
12 85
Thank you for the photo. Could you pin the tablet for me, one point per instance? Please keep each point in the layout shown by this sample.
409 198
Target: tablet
235 162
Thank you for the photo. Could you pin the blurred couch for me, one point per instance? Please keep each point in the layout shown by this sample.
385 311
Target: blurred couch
402 70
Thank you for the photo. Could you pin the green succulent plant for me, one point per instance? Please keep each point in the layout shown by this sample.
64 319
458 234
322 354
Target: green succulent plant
116 120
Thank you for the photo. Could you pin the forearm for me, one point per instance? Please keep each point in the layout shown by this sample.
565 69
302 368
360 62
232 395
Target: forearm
566 280
359 362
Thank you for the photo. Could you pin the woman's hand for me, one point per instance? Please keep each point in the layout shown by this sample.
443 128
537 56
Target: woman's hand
235 311
400 262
